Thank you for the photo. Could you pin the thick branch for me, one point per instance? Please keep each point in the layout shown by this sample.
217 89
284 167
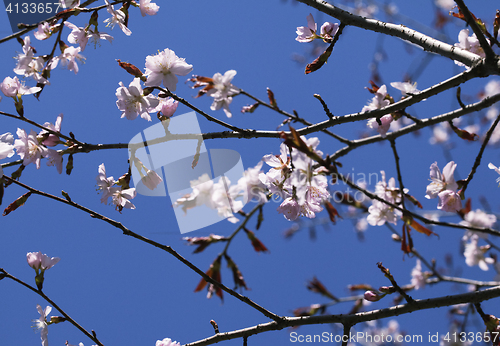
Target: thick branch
425 42
346 320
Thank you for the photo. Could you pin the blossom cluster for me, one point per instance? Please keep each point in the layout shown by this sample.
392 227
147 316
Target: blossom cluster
303 187
308 33
32 147
227 199
380 212
218 87
119 191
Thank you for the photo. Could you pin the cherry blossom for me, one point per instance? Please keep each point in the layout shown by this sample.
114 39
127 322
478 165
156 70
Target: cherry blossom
290 209
380 213
28 65
386 121
54 158
406 88
43 32
77 35
417 276
165 67
132 102
225 198
41 262
251 183
105 184
474 254
51 140
121 198
41 323
69 58
469 43
444 187
12 87
378 101
492 166
328 30
117 17
28 147
148 7
96 36
307 33
478 219
223 91
440 134
167 342
167 106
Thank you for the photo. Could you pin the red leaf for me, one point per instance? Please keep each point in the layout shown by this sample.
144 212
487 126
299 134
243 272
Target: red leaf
16 204
132 69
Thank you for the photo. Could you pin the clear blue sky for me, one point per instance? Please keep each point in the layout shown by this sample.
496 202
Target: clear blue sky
131 293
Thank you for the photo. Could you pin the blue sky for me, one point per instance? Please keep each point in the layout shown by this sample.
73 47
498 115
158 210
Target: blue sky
131 293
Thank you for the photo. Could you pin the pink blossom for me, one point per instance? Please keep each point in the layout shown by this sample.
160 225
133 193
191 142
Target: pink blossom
167 107
469 43
77 35
328 30
39 261
12 87
41 323
441 181
223 91
52 140
43 32
406 88
307 33
54 158
492 166
105 184
474 254
117 17
386 121
132 102
290 209
70 58
121 198
148 7
417 276
378 101
28 147
165 67
67 4
449 201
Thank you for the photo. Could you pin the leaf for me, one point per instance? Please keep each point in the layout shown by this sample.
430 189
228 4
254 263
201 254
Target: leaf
272 100
320 61
413 200
256 243
214 273
316 286
239 281
17 203
130 68
332 212
463 133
